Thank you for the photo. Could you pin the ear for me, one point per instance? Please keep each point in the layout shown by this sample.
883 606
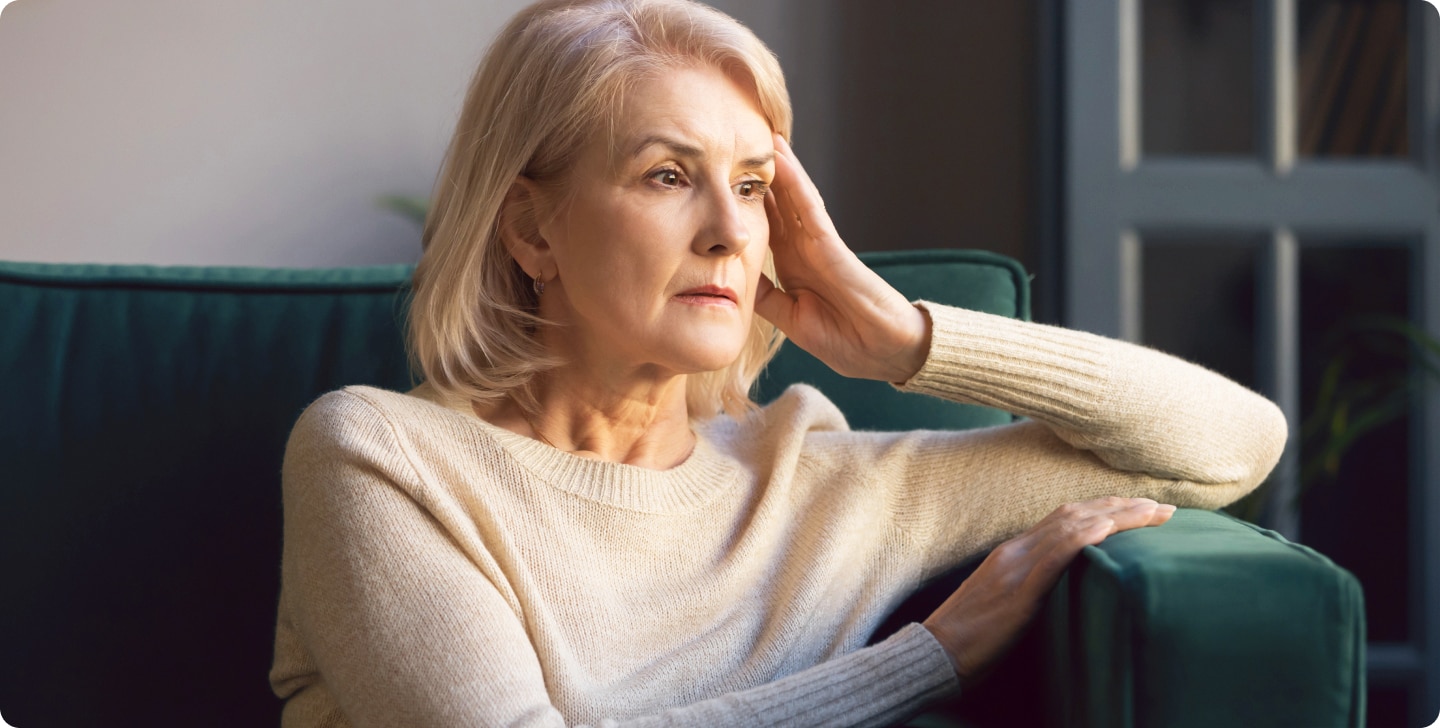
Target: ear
519 228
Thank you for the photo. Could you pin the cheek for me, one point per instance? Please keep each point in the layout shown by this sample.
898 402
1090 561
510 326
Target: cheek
589 243
759 220
758 252
613 262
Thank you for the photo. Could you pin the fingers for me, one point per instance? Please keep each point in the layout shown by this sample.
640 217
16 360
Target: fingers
1163 512
987 613
775 216
1054 553
773 304
798 201
1132 512
1140 512
1057 538
795 169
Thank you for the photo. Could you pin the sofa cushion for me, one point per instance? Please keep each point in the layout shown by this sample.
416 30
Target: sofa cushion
145 414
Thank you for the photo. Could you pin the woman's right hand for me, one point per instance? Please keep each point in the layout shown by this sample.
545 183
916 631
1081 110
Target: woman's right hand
833 306
986 615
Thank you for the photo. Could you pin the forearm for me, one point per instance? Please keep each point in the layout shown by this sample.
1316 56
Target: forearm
876 686
1137 409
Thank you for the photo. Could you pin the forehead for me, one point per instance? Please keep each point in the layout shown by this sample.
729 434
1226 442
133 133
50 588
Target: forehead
701 106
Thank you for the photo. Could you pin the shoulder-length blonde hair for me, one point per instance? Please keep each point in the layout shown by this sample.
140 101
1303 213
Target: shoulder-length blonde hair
554 78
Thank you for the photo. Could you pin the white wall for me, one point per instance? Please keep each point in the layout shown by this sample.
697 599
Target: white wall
241 133
262 132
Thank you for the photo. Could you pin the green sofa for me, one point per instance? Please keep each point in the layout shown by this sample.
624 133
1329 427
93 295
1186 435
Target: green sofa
143 417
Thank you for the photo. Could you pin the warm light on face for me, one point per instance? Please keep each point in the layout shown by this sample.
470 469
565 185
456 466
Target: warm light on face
659 246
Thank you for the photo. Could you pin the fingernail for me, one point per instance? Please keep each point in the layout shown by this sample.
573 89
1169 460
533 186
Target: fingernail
1167 507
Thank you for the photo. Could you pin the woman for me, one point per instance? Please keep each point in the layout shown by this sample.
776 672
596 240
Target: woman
579 516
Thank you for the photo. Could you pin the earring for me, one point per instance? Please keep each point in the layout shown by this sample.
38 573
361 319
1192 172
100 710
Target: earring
539 286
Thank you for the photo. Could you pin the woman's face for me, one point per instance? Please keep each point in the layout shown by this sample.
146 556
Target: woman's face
657 252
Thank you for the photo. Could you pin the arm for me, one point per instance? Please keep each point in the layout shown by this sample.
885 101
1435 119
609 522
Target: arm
1108 418
409 622
1136 409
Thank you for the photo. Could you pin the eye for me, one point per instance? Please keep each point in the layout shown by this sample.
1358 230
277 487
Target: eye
666 177
751 189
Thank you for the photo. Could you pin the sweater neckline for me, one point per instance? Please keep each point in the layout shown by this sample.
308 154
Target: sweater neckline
698 480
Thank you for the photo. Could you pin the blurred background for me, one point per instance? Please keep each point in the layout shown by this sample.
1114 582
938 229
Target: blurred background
1251 184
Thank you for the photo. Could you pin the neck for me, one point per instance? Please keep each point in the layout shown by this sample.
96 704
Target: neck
643 422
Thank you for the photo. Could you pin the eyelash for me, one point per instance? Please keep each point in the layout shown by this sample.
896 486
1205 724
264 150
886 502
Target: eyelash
667 171
759 188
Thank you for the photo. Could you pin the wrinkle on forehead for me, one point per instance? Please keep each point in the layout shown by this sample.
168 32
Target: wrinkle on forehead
629 129
684 149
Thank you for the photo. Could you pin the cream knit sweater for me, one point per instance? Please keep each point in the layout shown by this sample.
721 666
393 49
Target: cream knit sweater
441 571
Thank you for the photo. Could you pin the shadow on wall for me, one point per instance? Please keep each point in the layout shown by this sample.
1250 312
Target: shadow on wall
937 130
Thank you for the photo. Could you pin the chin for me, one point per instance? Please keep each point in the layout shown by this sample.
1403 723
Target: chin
711 356
700 348
712 364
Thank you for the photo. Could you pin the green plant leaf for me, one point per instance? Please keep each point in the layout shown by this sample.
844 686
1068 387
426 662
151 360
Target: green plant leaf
413 208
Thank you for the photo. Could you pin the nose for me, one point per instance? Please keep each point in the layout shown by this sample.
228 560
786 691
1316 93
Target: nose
724 231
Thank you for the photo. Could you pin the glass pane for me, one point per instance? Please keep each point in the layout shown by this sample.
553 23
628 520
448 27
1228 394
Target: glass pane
1352 78
1199 301
1389 705
1197 77
1355 394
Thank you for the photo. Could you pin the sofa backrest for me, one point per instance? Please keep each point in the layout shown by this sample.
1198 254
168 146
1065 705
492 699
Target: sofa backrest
143 416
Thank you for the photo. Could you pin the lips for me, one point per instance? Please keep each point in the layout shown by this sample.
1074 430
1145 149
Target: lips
709 294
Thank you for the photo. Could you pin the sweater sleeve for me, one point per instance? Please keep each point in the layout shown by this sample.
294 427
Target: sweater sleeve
403 624
1105 418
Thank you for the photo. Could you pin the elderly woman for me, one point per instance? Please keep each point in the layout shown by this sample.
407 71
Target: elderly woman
581 518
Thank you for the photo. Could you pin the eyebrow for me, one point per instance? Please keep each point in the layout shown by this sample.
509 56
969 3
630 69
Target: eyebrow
682 149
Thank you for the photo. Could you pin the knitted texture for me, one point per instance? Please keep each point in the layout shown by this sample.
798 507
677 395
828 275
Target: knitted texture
439 570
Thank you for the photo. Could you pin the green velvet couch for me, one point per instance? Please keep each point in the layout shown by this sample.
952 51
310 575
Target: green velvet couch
143 415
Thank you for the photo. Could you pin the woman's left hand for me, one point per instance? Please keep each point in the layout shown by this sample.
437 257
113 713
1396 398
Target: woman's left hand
833 306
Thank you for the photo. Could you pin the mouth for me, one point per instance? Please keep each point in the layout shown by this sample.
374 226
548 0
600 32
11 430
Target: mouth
709 295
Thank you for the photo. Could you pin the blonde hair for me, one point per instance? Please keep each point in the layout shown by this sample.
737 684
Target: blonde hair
553 79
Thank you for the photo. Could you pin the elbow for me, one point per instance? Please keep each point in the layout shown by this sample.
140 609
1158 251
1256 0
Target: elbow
1260 445
1272 433
1240 459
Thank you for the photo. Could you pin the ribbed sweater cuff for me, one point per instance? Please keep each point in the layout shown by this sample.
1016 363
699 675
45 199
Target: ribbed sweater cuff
878 685
1029 369
875 686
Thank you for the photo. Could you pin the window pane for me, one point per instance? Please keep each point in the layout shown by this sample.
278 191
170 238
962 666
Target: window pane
1352 78
1197 77
1390 705
1354 370
1199 301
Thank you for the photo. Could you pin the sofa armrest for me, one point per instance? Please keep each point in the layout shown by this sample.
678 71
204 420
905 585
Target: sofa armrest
1204 621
